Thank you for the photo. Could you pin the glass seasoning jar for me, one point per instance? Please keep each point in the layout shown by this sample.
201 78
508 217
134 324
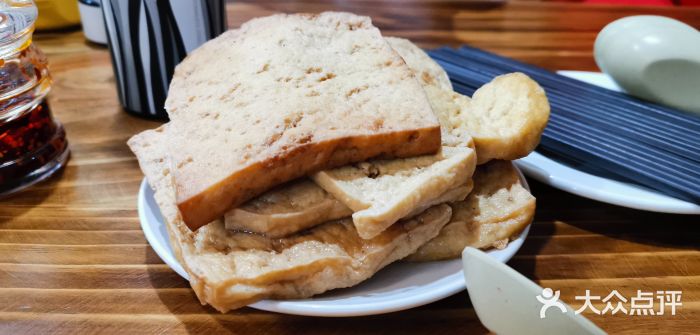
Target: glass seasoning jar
32 144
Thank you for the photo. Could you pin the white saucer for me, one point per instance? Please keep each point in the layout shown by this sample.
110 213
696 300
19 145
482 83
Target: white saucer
399 286
564 177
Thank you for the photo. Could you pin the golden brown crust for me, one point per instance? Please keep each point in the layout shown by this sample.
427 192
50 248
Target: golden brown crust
506 117
498 208
258 178
285 210
384 191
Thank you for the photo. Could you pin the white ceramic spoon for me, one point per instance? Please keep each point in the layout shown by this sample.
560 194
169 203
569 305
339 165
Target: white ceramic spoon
506 302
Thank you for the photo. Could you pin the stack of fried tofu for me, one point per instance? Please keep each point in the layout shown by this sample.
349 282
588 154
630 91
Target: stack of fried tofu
307 152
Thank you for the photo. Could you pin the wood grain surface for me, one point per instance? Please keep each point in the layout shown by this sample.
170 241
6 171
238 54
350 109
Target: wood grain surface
73 258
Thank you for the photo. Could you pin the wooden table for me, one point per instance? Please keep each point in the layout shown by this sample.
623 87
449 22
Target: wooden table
73 257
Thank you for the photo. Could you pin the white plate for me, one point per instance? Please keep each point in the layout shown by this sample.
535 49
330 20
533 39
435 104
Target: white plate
399 286
598 188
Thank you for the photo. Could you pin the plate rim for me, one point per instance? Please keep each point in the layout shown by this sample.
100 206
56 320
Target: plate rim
454 282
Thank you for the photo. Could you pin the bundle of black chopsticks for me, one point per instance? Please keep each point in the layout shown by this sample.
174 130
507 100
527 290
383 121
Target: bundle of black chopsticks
607 131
